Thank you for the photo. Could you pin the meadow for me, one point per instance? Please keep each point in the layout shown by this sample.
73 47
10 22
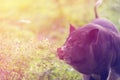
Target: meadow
32 30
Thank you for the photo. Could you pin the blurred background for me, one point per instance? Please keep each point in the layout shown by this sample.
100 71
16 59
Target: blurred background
32 30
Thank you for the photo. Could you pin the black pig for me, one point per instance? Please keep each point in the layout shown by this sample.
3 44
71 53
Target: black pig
93 50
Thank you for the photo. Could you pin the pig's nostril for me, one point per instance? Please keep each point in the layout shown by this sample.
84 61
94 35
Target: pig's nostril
59 50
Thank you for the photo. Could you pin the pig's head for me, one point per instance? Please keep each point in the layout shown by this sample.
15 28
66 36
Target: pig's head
77 48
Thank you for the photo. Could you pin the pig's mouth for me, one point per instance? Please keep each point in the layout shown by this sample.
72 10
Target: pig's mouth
60 53
68 60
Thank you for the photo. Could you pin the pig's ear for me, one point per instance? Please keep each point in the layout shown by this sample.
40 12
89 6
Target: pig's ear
72 28
92 35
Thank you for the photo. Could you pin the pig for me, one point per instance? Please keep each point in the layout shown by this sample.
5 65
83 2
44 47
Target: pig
93 50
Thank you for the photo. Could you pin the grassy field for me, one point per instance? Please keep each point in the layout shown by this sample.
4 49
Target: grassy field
32 30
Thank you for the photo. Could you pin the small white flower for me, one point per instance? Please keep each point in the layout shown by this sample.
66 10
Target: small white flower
119 21
71 69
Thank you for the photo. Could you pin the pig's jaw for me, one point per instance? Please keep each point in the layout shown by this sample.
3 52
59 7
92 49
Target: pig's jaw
68 60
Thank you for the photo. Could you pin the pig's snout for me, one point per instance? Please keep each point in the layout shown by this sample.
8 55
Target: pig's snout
60 53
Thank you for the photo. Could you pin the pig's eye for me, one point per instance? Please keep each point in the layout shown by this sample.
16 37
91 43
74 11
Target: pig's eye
69 46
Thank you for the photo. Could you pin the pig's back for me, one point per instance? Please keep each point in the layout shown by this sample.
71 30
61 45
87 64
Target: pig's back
106 24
